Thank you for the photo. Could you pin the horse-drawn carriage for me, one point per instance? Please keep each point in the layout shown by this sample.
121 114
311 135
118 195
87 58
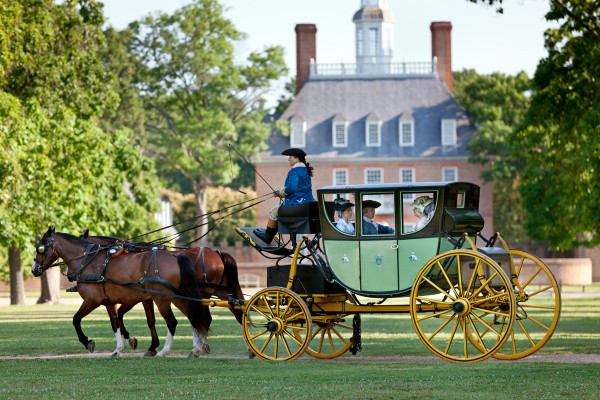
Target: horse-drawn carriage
466 303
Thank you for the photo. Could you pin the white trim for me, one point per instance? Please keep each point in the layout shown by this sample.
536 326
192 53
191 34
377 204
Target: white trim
334 171
401 125
294 127
337 159
367 133
334 134
407 197
369 169
448 127
454 171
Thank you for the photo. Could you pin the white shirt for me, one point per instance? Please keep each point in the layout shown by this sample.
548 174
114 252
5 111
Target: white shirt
344 226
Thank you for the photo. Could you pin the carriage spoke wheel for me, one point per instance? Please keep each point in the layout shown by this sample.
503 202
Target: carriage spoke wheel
277 324
331 338
455 298
538 307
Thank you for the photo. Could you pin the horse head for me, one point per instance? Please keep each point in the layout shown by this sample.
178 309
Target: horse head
45 253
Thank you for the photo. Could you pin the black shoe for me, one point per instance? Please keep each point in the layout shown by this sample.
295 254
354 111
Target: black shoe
263 235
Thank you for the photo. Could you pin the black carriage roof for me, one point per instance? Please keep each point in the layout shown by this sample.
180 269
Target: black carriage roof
394 186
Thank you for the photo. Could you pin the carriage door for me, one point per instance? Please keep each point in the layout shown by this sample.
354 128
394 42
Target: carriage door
378 243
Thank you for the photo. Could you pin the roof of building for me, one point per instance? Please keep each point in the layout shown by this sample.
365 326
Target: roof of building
424 100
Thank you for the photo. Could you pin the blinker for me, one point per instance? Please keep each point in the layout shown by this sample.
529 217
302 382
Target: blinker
41 249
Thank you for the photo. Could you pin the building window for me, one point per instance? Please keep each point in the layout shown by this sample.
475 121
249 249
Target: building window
373 175
449 174
298 134
407 133
359 42
340 134
448 132
373 137
372 42
340 177
407 175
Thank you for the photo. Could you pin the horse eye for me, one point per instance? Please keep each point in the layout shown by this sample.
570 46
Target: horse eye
41 249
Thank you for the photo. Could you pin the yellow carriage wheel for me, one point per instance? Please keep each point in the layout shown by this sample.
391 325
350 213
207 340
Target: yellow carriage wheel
277 324
455 298
331 338
538 307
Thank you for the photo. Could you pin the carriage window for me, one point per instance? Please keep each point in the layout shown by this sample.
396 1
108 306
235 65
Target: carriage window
377 211
418 213
343 217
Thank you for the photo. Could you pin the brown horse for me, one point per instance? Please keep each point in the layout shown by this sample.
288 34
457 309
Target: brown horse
215 274
157 276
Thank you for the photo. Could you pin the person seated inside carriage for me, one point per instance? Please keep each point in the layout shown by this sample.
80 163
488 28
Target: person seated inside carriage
343 209
371 227
297 190
423 208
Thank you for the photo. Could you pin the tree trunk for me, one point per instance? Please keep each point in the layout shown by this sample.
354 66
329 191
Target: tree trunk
200 194
50 286
17 283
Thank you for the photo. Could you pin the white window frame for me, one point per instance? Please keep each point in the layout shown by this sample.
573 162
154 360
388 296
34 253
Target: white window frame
448 132
359 42
295 129
454 171
334 127
370 169
334 174
367 135
407 196
372 41
401 126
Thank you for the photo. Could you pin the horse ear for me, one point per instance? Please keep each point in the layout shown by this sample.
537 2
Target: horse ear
52 229
86 233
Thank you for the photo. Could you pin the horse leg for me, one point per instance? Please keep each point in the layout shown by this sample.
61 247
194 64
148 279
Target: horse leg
112 313
85 308
200 345
131 341
151 320
167 313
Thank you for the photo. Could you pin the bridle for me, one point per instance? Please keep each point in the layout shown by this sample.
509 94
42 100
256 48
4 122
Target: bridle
43 249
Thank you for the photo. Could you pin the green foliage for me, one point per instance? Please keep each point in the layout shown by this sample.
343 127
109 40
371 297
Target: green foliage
57 167
197 99
286 99
560 183
497 104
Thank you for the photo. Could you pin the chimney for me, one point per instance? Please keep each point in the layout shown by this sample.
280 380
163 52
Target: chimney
306 48
442 49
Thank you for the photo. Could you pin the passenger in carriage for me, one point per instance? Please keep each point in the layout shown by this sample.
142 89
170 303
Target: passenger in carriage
371 227
297 190
423 207
343 209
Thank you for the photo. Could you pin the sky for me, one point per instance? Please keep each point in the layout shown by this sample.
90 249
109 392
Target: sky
482 39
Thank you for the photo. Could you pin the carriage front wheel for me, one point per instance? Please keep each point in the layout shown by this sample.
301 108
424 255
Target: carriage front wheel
455 298
277 324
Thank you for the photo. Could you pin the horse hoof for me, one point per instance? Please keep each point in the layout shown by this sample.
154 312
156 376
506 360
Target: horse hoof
132 343
91 346
115 354
205 348
149 353
251 354
194 354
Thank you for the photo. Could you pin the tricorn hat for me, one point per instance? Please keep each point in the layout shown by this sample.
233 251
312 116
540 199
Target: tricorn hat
371 203
294 152
340 204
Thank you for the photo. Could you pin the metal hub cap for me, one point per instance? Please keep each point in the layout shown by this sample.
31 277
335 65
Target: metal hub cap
461 306
275 325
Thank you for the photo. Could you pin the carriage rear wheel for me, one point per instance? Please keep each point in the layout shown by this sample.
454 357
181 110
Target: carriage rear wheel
455 298
331 338
277 324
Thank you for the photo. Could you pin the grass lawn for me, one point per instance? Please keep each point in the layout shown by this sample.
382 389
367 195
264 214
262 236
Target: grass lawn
38 330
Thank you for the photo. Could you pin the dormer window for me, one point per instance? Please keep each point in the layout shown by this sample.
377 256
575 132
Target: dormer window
448 132
373 130
406 130
339 131
298 134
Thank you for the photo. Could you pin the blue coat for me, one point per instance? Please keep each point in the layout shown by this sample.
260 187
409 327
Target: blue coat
370 229
298 186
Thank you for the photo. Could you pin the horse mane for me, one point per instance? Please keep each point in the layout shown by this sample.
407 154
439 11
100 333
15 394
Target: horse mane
73 238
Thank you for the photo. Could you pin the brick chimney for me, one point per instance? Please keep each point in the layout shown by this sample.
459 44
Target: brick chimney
306 48
442 49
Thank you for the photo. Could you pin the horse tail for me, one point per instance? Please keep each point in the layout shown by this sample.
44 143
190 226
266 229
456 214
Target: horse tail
197 311
233 282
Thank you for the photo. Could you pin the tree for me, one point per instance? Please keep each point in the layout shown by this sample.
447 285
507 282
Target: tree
560 183
198 100
497 104
56 165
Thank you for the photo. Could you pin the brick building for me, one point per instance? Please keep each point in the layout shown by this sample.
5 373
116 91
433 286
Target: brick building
375 120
